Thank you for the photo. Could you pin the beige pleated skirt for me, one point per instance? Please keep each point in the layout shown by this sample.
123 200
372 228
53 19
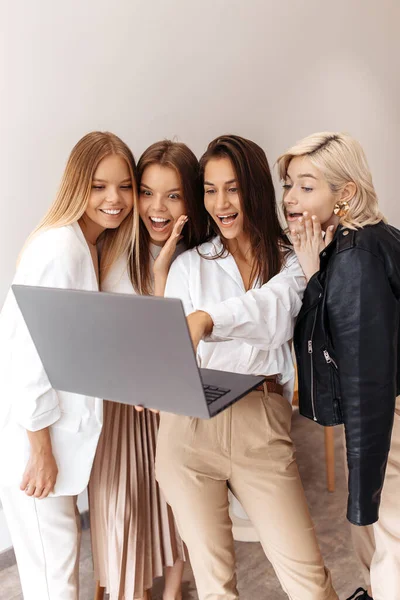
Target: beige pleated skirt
133 531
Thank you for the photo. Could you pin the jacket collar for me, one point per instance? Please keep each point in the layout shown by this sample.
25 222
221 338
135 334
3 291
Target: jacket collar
343 239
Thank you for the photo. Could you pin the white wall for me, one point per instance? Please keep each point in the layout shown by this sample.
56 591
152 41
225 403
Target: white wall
149 69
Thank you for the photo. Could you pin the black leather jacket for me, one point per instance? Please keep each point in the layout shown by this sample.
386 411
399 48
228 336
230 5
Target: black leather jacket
347 345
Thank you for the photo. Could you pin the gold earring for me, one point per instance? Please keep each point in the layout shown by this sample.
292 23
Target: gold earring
341 208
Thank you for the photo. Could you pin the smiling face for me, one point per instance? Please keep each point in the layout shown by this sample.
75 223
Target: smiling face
221 197
111 197
306 190
161 201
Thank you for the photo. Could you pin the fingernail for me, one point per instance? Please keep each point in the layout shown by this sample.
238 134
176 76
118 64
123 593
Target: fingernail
331 227
300 219
313 217
305 214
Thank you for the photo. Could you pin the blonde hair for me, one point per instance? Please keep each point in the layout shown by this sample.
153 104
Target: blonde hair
73 196
342 160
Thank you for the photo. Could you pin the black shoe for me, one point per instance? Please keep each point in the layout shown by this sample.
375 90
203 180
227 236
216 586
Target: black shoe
360 594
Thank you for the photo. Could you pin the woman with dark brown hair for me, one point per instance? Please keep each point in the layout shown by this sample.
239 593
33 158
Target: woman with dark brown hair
134 537
243 291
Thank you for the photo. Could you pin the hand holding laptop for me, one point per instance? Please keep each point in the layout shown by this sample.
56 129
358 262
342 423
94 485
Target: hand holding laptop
140 408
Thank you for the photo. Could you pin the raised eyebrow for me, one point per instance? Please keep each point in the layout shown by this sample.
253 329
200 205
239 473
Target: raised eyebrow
302 175
95 179
168 192
226 182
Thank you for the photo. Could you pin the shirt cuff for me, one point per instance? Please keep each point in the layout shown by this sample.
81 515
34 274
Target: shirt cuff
41 421
223 322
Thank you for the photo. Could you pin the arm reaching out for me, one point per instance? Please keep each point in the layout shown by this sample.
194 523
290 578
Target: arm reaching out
264 317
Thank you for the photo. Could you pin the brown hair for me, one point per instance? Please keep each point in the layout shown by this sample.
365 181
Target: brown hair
179 157
257 198
75 188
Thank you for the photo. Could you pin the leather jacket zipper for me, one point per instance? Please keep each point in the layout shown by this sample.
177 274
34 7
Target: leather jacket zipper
335 401
310 352
329 359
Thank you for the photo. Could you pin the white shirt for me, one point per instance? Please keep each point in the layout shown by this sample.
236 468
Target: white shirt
252 331
58 257
118 280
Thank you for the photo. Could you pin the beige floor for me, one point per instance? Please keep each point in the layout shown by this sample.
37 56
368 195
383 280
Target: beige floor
256 577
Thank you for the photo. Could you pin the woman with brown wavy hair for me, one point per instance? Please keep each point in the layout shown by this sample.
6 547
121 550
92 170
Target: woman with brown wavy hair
134 536
242 290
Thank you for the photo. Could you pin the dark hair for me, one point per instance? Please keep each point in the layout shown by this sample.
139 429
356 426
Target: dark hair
257 198
179 157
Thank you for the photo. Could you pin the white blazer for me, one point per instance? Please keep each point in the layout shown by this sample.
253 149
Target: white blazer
59 257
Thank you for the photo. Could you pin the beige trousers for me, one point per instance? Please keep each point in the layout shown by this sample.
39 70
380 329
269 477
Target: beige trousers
378 546
46 539
248 449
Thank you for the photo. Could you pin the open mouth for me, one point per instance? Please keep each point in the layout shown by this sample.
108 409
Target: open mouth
111 212
159 223
293 216
227 219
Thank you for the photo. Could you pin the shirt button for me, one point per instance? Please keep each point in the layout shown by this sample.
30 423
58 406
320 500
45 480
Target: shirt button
346 232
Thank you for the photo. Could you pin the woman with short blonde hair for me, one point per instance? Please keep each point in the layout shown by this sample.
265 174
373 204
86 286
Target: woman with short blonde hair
347 336
341 159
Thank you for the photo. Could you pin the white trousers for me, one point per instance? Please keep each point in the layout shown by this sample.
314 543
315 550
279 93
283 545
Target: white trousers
46 539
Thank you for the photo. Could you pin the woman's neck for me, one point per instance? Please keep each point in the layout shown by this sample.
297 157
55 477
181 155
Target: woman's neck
240 248
156 243
334 220
90 230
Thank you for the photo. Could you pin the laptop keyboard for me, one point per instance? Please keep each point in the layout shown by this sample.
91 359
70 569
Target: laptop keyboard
213 393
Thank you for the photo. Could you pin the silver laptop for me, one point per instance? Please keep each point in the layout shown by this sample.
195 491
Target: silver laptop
126 348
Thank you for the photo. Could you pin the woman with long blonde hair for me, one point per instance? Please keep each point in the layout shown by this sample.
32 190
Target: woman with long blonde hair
48 438
134 536
347 336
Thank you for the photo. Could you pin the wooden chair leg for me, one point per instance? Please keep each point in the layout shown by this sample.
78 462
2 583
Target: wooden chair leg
330 458
99 593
